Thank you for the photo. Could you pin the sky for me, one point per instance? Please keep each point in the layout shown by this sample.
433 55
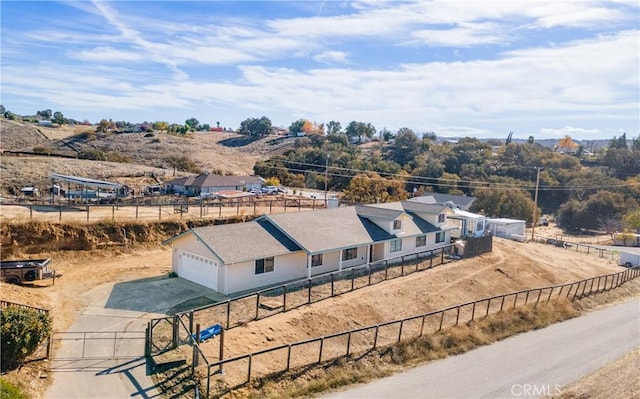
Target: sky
454 67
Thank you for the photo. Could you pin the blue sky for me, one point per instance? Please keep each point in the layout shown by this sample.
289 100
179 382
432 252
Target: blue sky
455 67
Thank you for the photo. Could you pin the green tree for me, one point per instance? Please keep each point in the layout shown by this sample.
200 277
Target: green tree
45 114
22 330
2 110
161 126
632 220
272 181
334 127
59 118
192 123
359 129
405 147
505 203
371 188
297 126
619 142
256 127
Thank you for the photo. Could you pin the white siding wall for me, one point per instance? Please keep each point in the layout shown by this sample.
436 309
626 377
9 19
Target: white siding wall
329 263
242 277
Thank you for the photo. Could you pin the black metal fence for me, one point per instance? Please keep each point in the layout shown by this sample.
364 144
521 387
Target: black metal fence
241 369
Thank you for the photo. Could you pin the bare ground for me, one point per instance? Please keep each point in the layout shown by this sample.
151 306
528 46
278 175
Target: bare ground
615 380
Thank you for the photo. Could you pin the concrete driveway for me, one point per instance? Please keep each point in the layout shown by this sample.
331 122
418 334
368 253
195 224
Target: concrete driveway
102 354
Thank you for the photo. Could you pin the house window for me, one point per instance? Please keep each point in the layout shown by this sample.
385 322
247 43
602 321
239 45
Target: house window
396 245
350 253
421 241
440 237
480 226
316 260
441 218
397 224
264 265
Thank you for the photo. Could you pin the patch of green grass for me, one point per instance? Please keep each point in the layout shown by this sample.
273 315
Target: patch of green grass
10 391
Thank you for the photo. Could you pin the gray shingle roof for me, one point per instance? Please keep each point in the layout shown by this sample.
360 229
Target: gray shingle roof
323 230
376 211
461 201
245 241
415 206
213 180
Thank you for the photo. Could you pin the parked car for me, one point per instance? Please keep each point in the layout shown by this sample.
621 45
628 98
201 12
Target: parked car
282 190
270 190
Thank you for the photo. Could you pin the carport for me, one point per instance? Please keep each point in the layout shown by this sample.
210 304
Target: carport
85 183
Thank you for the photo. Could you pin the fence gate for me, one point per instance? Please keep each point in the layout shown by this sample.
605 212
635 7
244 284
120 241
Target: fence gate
98 345
161 336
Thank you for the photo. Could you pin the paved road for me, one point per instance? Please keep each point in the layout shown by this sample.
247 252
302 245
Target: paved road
528 365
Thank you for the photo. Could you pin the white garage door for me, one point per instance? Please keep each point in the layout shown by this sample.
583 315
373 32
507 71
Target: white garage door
198 269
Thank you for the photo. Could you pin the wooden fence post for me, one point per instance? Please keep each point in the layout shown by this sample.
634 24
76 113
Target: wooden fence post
320 352
349 343
502 303
488 306
400 330
309 292
473 311
257 305
550 293
221 353
375 337
249 369
228 313
353 277
369 271
284 298
422 326
60 213
333 277
458 316
289 358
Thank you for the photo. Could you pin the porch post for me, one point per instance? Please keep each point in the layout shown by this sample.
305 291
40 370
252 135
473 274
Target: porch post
340 261
308 266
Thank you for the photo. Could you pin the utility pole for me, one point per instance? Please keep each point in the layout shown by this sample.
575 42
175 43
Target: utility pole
535 204
326 179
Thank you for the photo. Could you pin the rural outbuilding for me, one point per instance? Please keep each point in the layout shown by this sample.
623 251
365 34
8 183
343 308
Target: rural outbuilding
512 229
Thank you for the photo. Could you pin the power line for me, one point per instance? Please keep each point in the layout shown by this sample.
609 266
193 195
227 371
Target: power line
444 182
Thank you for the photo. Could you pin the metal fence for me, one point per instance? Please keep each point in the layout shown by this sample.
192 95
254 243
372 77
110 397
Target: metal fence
241 369
154 209
577 247
98 345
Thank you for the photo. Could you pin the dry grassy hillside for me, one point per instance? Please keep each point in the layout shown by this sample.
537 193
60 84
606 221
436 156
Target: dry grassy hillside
141 152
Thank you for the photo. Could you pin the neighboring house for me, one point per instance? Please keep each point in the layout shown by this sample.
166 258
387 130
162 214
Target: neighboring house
512 229
277 248
462 202
207 183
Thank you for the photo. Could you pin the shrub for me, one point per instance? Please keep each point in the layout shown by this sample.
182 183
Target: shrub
10 391
22 330
113 156
92 154
41 150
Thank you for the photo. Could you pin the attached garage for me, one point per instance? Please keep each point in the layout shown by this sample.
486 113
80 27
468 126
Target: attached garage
199 269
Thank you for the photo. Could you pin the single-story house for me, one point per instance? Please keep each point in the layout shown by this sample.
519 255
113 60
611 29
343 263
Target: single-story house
512 229
281 247
461 202
207 183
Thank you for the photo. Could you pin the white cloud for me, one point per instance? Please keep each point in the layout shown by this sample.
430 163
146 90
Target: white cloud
568 131
330 57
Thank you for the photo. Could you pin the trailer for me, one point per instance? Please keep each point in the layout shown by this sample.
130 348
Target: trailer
629 258
21 271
